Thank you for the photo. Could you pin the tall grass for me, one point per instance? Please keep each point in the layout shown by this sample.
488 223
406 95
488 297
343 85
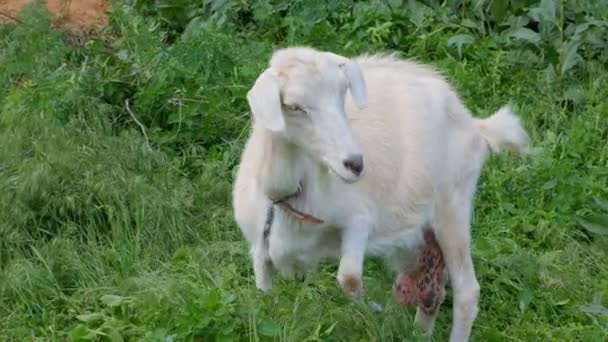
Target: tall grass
117 154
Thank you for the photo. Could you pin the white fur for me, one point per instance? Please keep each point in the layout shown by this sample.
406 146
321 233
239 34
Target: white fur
422 150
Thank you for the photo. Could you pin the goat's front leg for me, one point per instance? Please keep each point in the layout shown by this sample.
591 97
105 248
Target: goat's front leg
354 244
262 266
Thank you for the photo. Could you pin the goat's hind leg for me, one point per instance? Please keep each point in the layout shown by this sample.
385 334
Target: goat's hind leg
452 230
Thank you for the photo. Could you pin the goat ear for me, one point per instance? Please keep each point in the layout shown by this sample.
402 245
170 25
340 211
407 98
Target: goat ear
265 102
356 82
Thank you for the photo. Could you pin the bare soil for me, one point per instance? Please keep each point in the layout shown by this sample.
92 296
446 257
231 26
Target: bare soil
72 14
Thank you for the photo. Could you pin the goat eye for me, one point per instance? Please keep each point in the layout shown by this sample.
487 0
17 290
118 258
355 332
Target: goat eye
296 109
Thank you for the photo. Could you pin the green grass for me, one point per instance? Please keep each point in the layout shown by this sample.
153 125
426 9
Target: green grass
110 234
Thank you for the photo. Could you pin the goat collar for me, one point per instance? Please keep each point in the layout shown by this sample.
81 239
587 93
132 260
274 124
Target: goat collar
283 204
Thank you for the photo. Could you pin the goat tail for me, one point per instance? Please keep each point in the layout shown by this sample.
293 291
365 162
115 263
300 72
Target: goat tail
503 130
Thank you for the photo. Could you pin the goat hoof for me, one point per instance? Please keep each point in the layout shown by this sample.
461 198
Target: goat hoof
351 285
264 286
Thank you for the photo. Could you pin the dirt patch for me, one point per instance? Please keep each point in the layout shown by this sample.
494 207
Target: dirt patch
72 14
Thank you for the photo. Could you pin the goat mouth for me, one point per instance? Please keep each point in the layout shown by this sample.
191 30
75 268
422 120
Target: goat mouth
345 176
342 178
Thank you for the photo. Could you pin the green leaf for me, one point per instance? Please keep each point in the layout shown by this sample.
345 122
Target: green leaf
579 29
469 23
545 13
549 185
595 224
82 333
575 93
594 309
395 3
549 10
89 318
329 330
525 297
570 56
526 34
549 73
112 300
115 336
499 9
601 203
416 12
269 328
459 41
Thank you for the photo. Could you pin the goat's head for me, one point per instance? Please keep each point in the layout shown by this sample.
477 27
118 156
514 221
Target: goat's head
301 98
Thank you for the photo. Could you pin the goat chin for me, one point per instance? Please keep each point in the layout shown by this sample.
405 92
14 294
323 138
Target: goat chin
423 153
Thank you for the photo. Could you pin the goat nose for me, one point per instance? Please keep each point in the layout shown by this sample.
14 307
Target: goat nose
354 163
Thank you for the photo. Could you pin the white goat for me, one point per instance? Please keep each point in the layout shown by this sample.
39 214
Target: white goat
423 153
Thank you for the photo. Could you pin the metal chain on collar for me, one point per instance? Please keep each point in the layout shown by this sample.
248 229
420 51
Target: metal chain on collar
269 220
